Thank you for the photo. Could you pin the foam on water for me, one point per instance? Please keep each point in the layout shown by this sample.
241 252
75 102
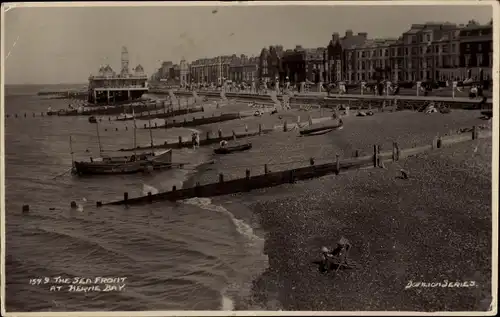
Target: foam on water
241 287
149 189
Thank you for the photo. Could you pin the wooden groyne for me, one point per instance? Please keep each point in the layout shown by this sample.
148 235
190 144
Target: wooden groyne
165 114
270 179
208 140
197 121
111 110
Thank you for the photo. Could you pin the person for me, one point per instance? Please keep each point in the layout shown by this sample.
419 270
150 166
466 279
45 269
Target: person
342 249
223 143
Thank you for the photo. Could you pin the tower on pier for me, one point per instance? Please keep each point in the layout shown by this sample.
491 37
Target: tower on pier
124 70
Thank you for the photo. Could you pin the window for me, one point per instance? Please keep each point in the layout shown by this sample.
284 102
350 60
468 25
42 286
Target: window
445 48
479 48
467 47
363 54
491 60
406 51
479 60
453 48
428 38
467 60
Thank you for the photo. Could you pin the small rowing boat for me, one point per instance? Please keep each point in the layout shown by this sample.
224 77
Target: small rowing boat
322 129
231 149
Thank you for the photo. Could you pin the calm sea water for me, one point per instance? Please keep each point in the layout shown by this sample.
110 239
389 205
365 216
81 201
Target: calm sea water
191 255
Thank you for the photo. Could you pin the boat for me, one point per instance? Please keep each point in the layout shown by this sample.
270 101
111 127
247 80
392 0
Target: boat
125 117
487 113
92 119
322 129
125 165
106 165
231 149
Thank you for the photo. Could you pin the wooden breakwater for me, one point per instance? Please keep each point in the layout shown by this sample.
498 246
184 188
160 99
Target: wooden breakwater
111 110
208 140
270 179
165 114
197 121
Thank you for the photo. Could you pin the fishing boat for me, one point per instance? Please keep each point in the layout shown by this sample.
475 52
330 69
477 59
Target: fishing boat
231 149
135 163
125 165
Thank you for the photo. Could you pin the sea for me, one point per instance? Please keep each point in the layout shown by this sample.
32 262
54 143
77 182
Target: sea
198 254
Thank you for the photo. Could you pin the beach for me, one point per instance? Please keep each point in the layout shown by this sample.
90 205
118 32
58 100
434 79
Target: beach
432 227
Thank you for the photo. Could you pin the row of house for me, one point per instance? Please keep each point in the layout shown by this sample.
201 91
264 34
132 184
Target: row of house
429 51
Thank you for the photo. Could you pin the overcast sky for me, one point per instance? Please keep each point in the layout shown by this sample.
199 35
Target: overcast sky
65 45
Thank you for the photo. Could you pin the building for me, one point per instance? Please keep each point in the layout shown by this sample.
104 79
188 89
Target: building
270 66
305 64
476 51
109 87
338 63
243 69
369 61
427 49
210 70
184 73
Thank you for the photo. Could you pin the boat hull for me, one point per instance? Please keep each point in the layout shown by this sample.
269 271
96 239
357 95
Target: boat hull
118 165
238 148
315 131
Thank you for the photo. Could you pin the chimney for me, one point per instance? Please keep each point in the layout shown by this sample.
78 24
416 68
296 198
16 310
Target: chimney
363 35
335 37
348 33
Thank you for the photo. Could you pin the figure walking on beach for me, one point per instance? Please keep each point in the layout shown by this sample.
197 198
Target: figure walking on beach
195 138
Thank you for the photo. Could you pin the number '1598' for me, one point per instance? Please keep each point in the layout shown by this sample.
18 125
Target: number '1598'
39 280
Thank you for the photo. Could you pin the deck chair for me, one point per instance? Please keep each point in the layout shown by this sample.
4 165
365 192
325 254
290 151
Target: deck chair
341 253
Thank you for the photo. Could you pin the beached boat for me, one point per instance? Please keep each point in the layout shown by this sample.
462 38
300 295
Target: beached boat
322 129
487 113
92 119
231 149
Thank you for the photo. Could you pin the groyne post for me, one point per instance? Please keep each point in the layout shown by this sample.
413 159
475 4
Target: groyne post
356 153
266 170
180 141
337 164
434 143
125 197
247 174
375 155
311 161
150 197
208 135
221 178
220 133
474 132
439 143
174 188
285 127
260 128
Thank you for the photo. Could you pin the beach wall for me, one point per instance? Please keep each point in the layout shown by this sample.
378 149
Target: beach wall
377 101
267 178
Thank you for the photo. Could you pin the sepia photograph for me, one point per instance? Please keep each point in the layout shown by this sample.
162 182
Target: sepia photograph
252 157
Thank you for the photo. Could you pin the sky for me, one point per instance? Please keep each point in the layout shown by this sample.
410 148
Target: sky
65 45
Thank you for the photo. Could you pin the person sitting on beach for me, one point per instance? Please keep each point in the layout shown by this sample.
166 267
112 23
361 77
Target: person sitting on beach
342 249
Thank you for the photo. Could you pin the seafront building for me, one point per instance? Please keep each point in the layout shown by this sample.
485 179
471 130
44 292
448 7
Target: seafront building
432 51
109 87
